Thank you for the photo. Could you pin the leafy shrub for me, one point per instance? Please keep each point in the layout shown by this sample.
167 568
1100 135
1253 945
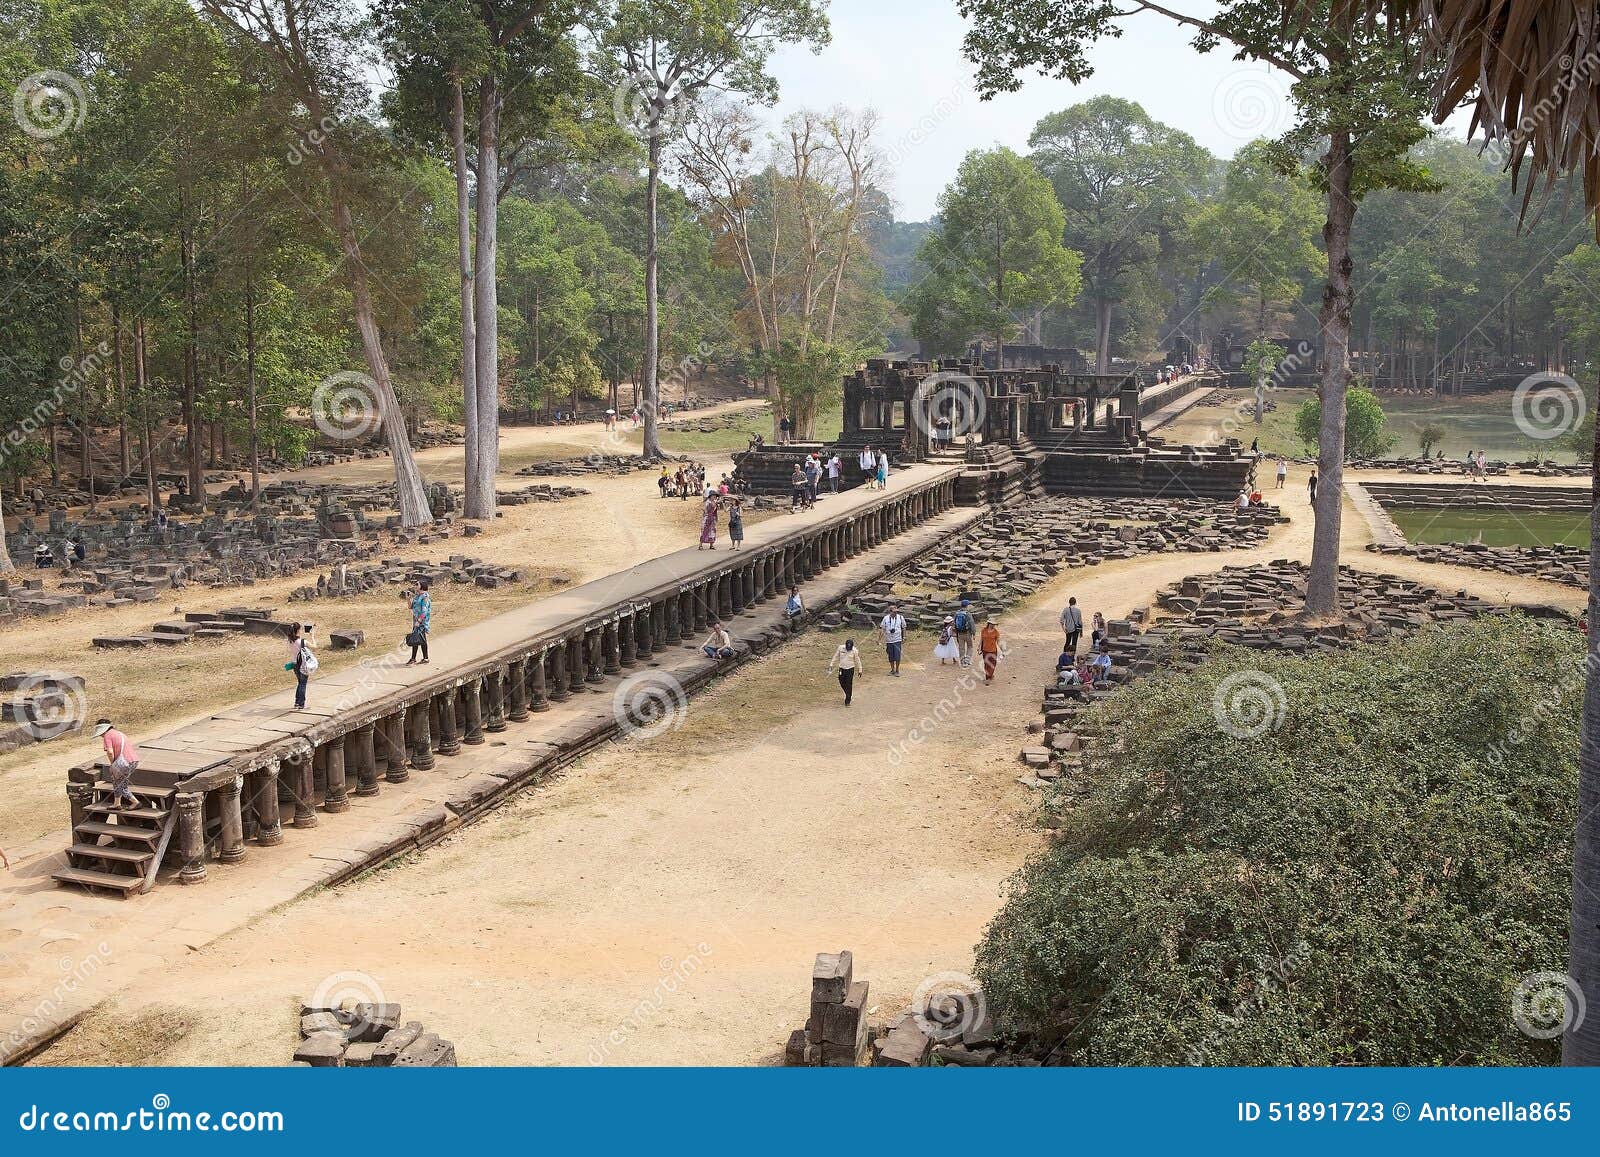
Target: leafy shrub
1365 883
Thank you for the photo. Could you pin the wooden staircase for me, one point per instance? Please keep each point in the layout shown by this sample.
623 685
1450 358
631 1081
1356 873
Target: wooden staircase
120 849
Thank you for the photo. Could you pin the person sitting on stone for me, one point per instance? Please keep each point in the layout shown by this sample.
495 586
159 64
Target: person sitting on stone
1067 670
794 608
1097 632
42 558
1100 669
719 644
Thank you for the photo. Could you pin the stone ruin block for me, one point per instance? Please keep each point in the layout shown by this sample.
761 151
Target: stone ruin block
395 1042
903 1046
347 640
322 1050
830 977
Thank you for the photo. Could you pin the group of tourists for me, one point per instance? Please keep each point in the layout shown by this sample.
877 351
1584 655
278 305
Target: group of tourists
1092 668
72 553
717 502
806 480
302 660
957 634
1476 466
687 479
875 468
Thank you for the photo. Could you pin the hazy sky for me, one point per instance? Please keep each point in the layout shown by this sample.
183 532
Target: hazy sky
903 58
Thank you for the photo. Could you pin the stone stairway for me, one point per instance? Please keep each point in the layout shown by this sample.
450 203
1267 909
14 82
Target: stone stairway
120 849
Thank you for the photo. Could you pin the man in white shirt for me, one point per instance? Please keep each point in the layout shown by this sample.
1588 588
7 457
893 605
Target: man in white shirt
833 473
893 630
869 467
719 645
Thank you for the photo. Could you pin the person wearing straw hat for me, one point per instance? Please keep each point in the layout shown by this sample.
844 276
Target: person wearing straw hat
946 650
122 760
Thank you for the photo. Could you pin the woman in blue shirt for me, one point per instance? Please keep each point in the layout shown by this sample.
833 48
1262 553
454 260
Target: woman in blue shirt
421 621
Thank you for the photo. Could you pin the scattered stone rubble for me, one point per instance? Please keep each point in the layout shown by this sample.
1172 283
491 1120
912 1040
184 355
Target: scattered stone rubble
459 568
1014 552
613 465
38 706
1255 607
368 1036
1568 565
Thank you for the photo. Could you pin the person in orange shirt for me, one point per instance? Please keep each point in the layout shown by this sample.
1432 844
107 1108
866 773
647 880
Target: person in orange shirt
989 648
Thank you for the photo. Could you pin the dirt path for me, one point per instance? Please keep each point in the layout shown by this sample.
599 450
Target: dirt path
660 904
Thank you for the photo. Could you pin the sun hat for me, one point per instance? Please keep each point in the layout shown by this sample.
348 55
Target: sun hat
101 726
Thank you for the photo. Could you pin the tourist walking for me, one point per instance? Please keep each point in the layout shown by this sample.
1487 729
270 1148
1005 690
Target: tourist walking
421 622
735 523
989 648
813 477
893 629
1071 624
834 468
122 760
945 650
302 661
718 644
708 522
847 661
797 488
1311 486
966 627
869 468
1283 471
883 470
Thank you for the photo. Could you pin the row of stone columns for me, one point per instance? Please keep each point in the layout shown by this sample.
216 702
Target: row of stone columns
255 804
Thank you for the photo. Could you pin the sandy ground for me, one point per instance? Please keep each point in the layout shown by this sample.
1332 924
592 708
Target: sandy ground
661 902
150 691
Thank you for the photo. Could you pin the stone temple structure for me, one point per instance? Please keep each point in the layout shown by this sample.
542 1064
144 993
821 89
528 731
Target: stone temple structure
1018 431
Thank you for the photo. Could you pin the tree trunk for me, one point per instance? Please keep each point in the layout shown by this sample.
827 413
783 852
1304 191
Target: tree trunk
469 353
1581 1044
6 565
191 377
141 380
124 460
486 304
1322 586
250 380
652 321
410 496
1102 347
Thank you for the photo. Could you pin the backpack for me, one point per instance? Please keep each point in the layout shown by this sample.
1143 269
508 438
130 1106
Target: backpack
963 621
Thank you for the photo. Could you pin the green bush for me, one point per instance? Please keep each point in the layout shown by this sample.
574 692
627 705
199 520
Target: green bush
1365 424
1367 882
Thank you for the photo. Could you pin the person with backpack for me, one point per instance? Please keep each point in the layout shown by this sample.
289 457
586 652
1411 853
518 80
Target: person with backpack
966 626
303 662
421 622
946 650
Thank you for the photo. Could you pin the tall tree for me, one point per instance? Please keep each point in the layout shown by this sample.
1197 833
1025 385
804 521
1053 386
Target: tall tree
995 254
1361 94
316 48
661 54
1125 183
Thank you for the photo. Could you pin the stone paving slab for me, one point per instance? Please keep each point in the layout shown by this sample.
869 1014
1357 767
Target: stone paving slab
113 941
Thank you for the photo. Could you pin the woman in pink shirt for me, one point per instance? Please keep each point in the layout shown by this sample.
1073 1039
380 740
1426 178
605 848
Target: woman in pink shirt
122 759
